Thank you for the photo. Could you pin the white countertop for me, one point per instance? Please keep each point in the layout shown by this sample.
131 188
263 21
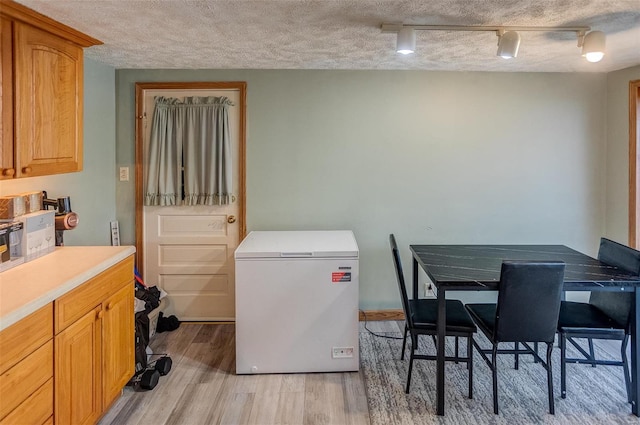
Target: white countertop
30 286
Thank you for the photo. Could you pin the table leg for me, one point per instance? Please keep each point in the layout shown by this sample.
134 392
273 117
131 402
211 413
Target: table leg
635 352
442 321
415 280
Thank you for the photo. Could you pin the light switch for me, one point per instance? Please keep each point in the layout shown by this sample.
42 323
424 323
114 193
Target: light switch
124 174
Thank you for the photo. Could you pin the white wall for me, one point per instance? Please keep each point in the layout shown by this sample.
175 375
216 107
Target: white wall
617 156
434 157
92 190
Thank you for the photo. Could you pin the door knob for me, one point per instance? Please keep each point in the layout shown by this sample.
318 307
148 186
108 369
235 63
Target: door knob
231 219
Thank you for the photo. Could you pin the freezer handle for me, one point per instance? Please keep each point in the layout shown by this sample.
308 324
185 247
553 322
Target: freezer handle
296 254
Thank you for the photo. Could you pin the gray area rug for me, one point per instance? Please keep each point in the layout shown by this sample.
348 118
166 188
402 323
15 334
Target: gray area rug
594 395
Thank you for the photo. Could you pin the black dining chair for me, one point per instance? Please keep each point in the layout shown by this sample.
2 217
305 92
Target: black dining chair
607 315
529 294
421 317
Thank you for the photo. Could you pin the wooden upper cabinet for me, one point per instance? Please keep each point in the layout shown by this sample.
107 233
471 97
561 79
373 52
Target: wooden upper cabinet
42 94
48 103
6 100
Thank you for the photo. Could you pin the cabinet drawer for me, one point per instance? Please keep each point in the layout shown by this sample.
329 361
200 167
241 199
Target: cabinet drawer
75 304
24 337
35 410
19 382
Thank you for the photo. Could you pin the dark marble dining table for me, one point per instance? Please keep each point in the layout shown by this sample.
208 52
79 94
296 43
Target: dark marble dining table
477 268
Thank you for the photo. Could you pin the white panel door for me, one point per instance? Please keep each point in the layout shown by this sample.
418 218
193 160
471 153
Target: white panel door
188 250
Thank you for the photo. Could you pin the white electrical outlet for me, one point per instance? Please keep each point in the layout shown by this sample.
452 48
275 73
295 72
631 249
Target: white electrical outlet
342 353
430 290
124 174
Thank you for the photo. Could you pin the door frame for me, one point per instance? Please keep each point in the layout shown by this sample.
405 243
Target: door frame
241 86
634 163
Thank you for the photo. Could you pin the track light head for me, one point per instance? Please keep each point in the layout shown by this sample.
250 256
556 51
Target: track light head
406 43
508 44
593 46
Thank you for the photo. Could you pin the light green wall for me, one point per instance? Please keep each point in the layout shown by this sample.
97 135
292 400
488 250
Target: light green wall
92 190
434 157
617 159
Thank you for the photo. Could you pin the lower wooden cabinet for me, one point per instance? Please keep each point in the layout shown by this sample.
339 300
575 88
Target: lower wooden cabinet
67 362
94 354
118 334
78 363
26 370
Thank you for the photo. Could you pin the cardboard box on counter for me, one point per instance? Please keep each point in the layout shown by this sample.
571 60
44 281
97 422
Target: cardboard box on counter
34 201
38 234
5 253
11 244
12 206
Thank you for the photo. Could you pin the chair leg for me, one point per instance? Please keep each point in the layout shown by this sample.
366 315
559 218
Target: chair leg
456 344
404 340
414 344
470 364
516 346
494 375
535 348
550 378
591 352
563 365
625 366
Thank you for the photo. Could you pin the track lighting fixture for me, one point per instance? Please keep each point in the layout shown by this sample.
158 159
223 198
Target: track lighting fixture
593 46
406 43
592 43
508 44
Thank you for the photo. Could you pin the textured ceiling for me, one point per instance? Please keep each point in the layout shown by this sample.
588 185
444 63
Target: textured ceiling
344 34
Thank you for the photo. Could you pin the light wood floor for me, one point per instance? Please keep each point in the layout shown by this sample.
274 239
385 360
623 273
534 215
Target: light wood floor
202 388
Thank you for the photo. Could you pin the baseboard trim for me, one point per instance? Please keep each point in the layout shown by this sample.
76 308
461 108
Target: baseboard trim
375 315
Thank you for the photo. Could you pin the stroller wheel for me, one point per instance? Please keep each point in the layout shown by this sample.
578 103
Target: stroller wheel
149 379
163 365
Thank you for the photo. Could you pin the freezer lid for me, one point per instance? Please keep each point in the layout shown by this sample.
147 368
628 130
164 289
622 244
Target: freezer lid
298 244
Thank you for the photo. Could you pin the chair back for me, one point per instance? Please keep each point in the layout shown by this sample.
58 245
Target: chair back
620 256
529 295
616 305
401 284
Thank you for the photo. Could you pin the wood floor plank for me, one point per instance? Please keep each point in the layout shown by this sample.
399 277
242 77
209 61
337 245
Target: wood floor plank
293 383
195 405
263 409
324 402
356 399
290 410
237 409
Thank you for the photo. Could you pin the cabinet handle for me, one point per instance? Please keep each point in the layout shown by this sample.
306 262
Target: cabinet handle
26 170
109 306
8 172
99 315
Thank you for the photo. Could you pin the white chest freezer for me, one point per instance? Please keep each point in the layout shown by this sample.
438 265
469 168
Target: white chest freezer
297 302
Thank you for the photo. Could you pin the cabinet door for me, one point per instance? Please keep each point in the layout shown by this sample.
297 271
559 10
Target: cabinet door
48 102
7 169
78 382
118 340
